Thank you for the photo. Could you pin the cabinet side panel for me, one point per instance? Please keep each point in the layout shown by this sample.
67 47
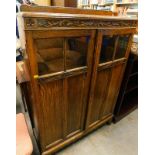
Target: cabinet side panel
51 96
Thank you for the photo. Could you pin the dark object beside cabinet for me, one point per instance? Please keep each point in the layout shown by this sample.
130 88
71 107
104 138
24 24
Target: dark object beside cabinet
128 96
76 63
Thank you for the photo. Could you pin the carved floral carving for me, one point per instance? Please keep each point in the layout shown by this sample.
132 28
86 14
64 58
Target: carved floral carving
45 23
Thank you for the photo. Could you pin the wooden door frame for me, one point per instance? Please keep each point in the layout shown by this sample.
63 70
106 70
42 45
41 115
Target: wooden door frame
31 52
100 33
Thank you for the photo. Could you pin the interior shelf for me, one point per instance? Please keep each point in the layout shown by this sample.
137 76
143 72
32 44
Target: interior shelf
134 74
132 84
129 3
130 102
135 67
106 4
128 106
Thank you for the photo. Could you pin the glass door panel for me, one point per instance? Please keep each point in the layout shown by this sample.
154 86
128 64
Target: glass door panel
122 46
61 54
107 48
50 57
76 52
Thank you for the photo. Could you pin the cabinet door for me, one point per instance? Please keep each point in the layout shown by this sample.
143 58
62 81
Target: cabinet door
110 57
63 61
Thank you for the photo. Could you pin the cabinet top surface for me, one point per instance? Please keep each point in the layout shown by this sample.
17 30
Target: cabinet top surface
69 12
73 16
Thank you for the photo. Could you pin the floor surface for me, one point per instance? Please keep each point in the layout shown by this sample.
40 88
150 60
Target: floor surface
115 139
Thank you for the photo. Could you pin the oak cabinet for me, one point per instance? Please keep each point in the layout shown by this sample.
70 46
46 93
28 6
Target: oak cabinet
76 63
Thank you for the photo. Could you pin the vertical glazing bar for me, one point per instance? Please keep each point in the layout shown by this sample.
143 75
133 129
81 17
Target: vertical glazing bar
129 46
64 52
115 48
65 91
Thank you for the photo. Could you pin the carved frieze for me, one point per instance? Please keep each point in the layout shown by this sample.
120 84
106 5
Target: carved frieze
51 23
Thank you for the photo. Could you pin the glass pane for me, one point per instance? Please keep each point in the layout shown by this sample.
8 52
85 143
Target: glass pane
50 57
76 52
122 46
107 49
